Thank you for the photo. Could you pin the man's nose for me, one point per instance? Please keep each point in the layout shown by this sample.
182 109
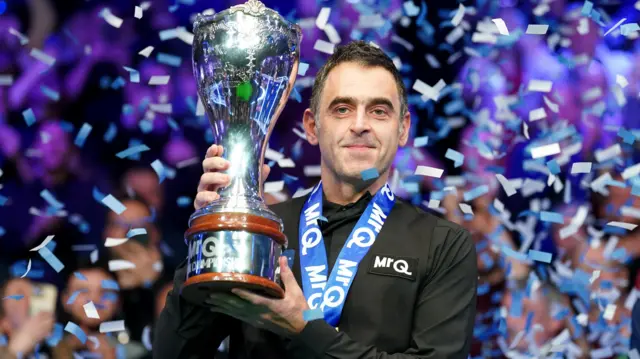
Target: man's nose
360 123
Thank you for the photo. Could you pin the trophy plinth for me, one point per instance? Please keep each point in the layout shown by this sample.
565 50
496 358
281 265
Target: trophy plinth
245 61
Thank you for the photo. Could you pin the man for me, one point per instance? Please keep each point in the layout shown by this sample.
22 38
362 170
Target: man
414 294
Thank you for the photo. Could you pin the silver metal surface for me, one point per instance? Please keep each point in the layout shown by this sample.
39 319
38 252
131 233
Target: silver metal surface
233 252
245 61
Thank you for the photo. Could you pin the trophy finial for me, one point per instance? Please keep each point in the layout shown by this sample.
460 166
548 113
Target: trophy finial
251 7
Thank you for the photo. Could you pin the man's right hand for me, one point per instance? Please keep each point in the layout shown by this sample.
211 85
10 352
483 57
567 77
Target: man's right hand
32 332
214 178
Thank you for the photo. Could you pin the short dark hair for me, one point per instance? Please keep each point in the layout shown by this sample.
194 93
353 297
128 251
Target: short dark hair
363 54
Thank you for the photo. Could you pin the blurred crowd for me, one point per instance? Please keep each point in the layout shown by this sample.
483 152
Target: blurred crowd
575 298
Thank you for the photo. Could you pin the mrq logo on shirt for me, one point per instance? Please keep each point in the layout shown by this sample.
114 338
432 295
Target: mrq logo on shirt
211 254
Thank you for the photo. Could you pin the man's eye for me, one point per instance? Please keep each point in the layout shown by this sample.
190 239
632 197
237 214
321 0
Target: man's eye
379 112
342 110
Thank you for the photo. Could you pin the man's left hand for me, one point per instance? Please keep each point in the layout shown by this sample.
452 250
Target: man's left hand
288 310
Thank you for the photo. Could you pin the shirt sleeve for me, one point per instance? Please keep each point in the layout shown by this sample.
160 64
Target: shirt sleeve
444 313
635 327
187 331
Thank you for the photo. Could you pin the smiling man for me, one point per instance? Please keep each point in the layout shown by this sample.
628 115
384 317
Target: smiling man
387 279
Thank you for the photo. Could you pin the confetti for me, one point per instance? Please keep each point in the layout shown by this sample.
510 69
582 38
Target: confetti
615 26
131 151
429 171
466 209
6 80
14 297
312 314
484 38
136 232
312 171
134 75
42 57
628 29
455 156
546 150
138 12
114 242
168 59
369 174
624 225
420 141
74 329
50 258
91 311
475 193
113 326
43 244
159 80
457 18
502 27
146 51
302 68
324 47
553 217
323 17
410 8
631 172
159 168
580 167
146 337
608 153
28 269
508 188
286 163
50 93
113 204
537 114
110 18
539 256
82 135
273 187
29 117
552 106
427 91
51 200
539 86
120 264
108 284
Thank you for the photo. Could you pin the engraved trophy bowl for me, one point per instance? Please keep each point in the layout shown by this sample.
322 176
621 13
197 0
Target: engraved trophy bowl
245 61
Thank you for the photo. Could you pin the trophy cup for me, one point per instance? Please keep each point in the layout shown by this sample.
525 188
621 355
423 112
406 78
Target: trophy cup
245 61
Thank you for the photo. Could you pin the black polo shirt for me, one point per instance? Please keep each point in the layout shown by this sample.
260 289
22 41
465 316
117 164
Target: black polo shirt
428 313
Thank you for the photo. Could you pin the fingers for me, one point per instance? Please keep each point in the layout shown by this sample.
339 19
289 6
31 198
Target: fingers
204 198
265 172
251 297
215 164
212 181
214 151
287 277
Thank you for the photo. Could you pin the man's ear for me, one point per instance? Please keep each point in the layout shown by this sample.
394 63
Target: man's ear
405 127
310 129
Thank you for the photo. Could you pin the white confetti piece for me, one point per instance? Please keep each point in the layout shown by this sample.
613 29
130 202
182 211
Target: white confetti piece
23 39
161 107
286 163
433 62
509 189
6 80
159 80
455 35
137 12
114 326
312 171
608 153
615 26
534 29
541 9
621 99
323 17
502 27
433 204
134 75
274 186
631 171
581 167
546 150
42 57
457 18
429 171
465 208
93 256
113 204
301 192
539 86
624 225
622 81
43 244
323 46
28 269
146 51
552 106
185 36
91 311
583 26
537 114
273 155
630 212
633 353
332 34
427 91
484 38
114 242
110 18
525 130
188 162
120 264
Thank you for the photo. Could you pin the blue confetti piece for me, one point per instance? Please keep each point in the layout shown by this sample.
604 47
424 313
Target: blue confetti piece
113 204
85 130
487 260
312 314
620 255
627 29
136 232
146 126
483 289
74 329
51 200
475 193
74 295
421 141
173 124
50 93
3 340
2 231
539 256
134 150
423 14
587 7
56 335
553 167
168 59
50 258
528 322
302 68
105 81
561 314
516 304
627 136
158 167
127 109
79 276
29 117
295 95
553 217
455 156
635 190
110 133
3 200
109 297
369 174
118 83
514 254
109 284
410 9
454 106
184 201
14 297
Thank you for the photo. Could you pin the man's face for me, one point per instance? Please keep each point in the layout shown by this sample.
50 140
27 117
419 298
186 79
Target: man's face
89 290
359 125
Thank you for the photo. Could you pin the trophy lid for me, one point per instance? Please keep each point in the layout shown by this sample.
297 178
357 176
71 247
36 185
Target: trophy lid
251 7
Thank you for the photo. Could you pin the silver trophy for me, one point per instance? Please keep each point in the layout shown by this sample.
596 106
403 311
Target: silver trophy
245 61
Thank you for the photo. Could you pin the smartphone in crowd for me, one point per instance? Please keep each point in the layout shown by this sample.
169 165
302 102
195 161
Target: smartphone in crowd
43 299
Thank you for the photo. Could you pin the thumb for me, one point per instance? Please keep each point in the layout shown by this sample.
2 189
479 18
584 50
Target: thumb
286 275
265 173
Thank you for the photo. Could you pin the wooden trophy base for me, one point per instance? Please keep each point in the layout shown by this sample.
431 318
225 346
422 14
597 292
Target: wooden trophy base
260 235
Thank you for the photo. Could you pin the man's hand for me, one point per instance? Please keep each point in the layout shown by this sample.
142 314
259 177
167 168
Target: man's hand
281 316
32 332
